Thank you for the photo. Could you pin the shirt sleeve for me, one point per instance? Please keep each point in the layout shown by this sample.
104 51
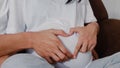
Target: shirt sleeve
89 16
3 16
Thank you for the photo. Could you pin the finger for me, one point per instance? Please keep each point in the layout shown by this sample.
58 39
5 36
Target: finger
84 47
61 55
49 60
77 48
89 46
55 57
73 30
58 49
60 32
92 47
64 50
55 52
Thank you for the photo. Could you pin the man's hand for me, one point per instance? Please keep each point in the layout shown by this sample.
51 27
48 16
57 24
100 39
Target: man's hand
87 37
47 44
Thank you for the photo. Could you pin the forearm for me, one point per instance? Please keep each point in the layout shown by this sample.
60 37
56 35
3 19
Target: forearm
12 43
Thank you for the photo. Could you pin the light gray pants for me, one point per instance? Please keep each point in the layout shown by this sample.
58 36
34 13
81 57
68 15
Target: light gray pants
30 61
25 61
112 61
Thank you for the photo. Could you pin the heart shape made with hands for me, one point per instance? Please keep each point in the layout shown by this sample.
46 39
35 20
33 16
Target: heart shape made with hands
82 60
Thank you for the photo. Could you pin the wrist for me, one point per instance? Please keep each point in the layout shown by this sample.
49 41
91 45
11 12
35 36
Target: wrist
94 26
26 36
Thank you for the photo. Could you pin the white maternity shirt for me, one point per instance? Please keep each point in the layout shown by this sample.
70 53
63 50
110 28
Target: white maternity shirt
26 15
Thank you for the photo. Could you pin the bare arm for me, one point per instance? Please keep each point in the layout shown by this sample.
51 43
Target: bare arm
45 43
12 43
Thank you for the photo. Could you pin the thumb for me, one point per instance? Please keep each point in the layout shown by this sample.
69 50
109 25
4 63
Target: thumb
60 32
77 48
73 30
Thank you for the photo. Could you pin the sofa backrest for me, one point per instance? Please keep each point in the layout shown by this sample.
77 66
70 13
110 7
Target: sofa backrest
99 9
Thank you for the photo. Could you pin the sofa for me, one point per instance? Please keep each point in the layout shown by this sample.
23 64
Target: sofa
109 34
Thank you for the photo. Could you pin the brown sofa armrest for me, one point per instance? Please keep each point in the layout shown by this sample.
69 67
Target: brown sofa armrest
108 38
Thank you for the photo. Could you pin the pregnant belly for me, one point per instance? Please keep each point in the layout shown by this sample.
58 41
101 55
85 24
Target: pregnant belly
82 60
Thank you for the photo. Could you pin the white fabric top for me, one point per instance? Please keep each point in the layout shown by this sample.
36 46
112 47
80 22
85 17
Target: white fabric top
25 15
35 15
83 59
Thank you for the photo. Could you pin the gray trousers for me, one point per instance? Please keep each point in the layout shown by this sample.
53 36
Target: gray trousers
112 61
31 61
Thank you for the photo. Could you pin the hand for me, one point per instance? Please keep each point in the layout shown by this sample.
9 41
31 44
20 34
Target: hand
47 45
87 37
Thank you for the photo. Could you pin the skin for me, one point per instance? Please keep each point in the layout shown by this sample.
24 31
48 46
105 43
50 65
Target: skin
50 46
87 37
46 43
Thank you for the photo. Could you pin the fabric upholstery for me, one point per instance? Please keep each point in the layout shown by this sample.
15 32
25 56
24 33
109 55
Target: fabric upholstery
109 35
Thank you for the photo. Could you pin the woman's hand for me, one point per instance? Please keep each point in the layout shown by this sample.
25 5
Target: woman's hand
87 37
47 45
